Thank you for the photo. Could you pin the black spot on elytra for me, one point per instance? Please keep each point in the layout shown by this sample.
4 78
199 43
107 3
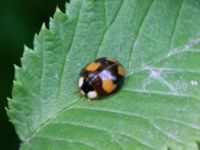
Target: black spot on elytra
87 87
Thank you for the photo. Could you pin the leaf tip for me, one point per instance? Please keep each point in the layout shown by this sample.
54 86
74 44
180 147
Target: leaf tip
16 84
58 10
16 67
44 27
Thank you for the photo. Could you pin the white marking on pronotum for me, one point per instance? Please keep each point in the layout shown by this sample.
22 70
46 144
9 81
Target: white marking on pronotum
80 82
92 94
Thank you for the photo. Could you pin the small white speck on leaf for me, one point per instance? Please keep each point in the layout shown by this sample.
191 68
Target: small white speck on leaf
194 83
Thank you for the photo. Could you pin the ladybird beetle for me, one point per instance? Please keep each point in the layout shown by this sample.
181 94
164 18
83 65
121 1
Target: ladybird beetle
100 78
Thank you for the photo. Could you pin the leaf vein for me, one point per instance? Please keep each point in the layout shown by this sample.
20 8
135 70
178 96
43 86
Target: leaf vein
171 137
104 130
176 51
197 128
67 51
49 120
140 116
175 24
160 93
137 35
65 140
107 28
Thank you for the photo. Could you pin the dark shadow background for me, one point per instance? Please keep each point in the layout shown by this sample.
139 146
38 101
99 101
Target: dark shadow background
19 21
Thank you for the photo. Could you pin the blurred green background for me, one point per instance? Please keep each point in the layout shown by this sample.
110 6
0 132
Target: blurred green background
19 21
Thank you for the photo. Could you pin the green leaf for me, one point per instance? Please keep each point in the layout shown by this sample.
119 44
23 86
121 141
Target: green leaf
158 42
